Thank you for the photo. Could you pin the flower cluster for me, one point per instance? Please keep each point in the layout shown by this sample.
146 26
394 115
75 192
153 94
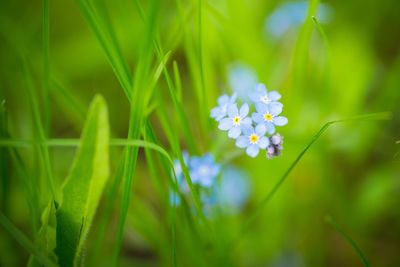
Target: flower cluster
253 132
216 185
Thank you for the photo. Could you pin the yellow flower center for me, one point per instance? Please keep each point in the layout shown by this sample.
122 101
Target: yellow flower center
267 117
253 139
236 120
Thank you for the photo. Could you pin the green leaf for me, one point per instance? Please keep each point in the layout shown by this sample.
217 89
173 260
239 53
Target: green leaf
84 185
46 237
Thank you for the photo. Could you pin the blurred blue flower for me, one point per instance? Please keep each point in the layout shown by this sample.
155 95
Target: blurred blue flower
220 111
236 121
268 116
275 146
233 190
242 79
253 139
227 196
261 95
204 170
292 14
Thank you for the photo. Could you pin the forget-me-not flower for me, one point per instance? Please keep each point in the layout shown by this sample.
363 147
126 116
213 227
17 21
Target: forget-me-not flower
221 110
261 95
253 139
236 121
268 116
204 170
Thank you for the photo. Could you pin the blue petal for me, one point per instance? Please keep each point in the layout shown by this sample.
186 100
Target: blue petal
248 131
232 99
234 132
233 110
262 108
261 129
244 110
263 142
207 181
217 113
208 159
255 97
194 162
280 121
274 95
270 127
257 117
252 151
246 122
242 141
225 124
260 88
275 109
222 100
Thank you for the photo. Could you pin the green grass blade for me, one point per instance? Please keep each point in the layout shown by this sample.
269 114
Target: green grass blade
24 241
8 155
104 34
203 91
40 135
46 66
300 55
142 90
178 82
4 160
46 237
350 240
84 185
276 187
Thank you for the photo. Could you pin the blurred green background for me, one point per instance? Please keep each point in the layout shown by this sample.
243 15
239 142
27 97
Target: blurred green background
352 173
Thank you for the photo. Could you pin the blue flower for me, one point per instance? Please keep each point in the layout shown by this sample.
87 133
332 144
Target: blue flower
228 195
242 80
268 116
234 189
261 95
236 121
220 111
253 140
204 170
292 14
275 146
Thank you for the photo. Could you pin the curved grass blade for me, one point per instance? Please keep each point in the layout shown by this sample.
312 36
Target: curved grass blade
84 185
269 196
24 241
104 33
348 238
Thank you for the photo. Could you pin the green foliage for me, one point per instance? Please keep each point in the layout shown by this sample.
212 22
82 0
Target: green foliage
172 59
83 187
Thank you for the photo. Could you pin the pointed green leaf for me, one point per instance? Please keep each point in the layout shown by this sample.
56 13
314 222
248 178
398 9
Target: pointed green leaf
84 185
